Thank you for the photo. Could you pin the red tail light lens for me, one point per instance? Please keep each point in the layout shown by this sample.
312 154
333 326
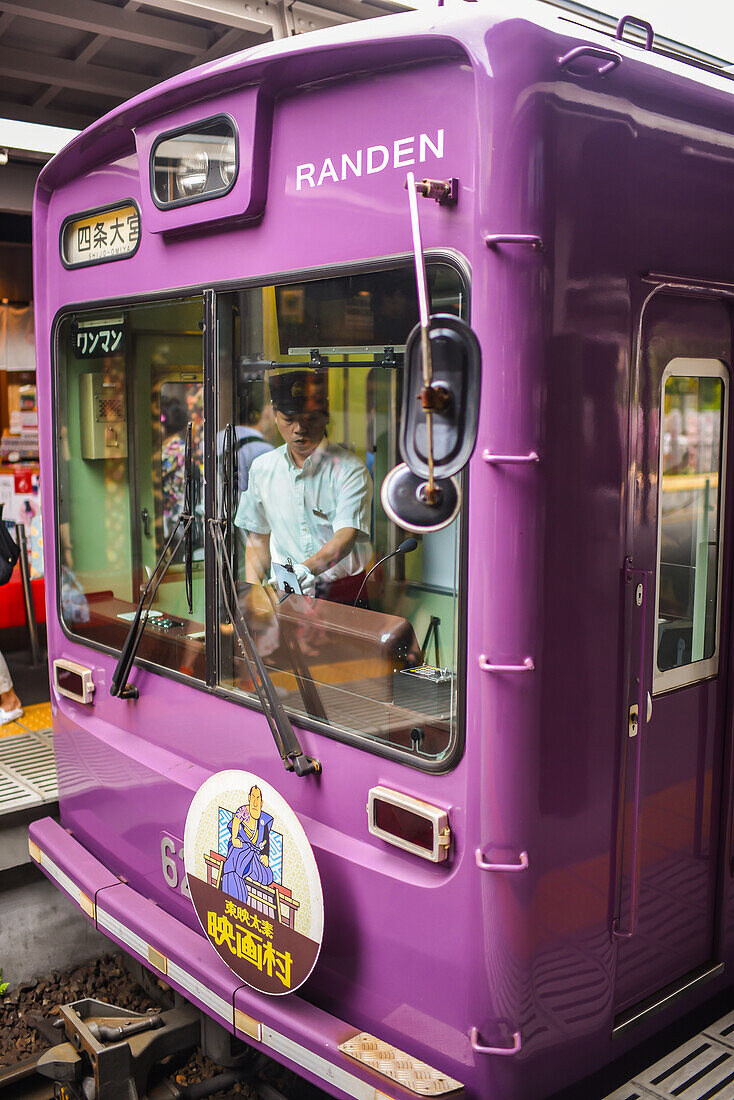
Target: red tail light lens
404 824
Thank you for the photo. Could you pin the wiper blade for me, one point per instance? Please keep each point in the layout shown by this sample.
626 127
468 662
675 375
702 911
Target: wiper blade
286 741
119 687
188 510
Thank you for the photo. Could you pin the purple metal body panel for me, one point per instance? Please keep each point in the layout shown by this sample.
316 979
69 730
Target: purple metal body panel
602 169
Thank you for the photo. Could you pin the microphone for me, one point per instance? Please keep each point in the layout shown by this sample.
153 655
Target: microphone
405 548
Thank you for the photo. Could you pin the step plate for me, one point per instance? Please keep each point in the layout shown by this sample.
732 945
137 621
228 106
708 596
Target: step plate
701 1069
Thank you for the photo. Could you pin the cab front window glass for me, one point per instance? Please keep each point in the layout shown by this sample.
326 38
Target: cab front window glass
355 621
130 383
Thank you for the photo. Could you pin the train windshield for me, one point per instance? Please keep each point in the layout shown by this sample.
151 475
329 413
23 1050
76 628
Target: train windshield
356 624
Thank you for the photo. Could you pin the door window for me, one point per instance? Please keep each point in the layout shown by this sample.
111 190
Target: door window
129 383
692 464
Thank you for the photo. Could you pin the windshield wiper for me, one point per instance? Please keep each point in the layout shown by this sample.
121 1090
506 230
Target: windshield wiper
286 741
306 686
181 530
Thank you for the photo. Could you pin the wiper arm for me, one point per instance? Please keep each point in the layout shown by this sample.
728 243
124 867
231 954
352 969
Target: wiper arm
119 687
188 510
286 741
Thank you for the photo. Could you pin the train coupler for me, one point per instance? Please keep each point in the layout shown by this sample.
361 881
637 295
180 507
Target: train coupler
111 1053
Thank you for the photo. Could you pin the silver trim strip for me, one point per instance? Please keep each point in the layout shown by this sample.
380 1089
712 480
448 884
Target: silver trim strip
317 1065
128 937
67 885
648 1008
175 973
207 996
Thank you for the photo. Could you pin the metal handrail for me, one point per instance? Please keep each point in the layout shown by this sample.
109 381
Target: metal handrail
510 868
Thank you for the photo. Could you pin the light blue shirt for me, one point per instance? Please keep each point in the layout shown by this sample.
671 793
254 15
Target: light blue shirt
302 509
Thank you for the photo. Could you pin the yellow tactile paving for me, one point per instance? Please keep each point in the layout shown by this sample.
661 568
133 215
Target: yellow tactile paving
11 729
37 717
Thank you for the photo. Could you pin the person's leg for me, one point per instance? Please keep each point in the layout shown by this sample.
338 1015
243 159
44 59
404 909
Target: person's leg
9 701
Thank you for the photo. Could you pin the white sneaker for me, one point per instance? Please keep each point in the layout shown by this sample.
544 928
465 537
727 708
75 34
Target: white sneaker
10 715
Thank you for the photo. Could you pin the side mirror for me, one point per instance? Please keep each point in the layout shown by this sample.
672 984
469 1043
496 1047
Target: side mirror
452 404
438 430
454 400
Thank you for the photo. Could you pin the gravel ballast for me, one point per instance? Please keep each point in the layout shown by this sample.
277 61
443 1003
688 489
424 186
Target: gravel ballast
107 979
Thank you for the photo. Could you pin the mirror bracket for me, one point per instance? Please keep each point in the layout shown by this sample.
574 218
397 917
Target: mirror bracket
444 192
435 398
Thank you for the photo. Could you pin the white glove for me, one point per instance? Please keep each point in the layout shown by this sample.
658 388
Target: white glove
305 578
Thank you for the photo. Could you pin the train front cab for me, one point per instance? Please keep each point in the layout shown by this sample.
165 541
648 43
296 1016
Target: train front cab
542 684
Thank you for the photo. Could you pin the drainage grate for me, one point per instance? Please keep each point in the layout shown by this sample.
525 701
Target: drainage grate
27 771
701 1069
15 796
631 1092
722 1031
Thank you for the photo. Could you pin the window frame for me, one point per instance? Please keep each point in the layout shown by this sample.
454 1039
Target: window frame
175 204
210 685
708 667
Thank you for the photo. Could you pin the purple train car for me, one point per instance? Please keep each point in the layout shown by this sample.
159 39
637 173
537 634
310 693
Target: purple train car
442 814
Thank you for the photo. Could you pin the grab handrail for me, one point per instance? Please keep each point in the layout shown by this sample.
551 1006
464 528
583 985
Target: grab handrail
486 665
641 24
613 60
505 1052
509 868
510 460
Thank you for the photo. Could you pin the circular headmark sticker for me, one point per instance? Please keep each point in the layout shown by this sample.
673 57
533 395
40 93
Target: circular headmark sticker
254 881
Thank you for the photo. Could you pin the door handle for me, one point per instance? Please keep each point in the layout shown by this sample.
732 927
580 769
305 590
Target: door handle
633 724
145 516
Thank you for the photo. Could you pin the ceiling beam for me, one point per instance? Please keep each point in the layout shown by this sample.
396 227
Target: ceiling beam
232 41
99 80
18 182
309 17
247 15
24 113
91 17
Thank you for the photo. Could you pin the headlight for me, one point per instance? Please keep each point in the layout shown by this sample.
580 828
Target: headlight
194 164
192 173
227 162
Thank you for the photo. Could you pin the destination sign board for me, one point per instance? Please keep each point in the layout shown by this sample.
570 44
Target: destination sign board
100 236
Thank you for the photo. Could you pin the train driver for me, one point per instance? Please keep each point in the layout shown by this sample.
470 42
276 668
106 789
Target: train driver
309 501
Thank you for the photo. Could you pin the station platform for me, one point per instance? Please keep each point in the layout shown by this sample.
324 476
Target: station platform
27 768
700 1069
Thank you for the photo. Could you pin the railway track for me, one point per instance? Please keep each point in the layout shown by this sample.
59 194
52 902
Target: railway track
97 1051
21 1082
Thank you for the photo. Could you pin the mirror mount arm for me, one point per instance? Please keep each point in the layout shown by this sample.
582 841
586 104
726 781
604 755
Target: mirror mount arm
444 192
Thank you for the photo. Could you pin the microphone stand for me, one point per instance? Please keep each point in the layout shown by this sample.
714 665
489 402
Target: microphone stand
405 548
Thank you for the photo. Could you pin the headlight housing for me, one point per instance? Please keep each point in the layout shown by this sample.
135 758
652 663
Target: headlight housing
197 163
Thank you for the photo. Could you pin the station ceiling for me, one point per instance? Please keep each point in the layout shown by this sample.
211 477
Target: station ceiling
67 62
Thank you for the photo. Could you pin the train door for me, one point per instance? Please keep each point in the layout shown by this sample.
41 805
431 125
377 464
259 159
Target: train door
676 585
